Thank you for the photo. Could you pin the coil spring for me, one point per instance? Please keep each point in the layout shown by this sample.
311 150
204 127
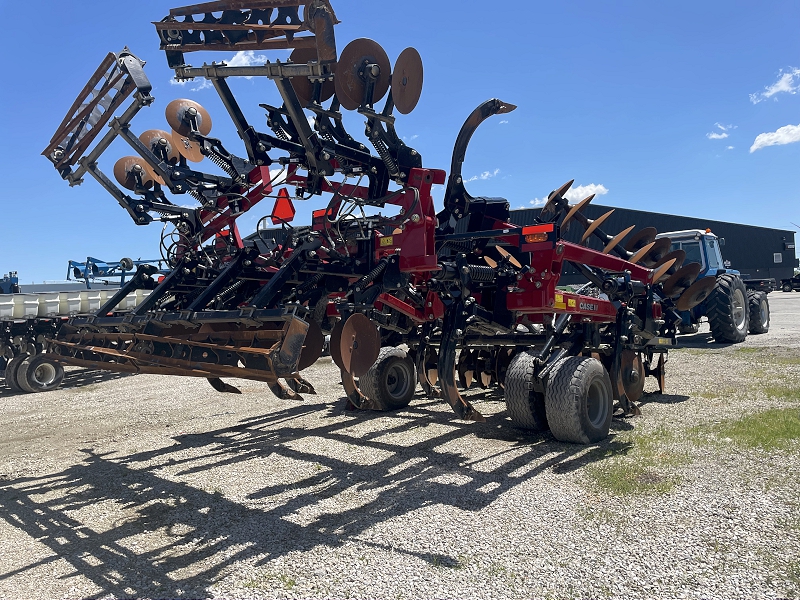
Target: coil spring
308 285
231 289
372 275
481 274
217 160
280 133
386 157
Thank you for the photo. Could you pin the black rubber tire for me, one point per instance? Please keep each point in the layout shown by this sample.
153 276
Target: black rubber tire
524 405
579 401
688 329
758 304
787 288
392 380
727 310
39 374
12 371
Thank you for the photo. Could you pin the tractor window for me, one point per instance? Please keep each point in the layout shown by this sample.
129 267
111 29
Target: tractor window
713 254
693 253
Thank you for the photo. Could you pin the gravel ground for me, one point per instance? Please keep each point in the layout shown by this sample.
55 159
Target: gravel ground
160 487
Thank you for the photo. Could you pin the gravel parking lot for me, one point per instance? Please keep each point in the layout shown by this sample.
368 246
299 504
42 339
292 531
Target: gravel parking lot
160 487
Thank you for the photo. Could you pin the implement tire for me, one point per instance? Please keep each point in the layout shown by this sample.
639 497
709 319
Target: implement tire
727 310
39 374
12 370
524 405
392 380
579 401
759 312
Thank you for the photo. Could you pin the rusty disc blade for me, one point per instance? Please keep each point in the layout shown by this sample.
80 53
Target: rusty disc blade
303 86
507 255
659 250
491 262
160 143
696 293
617 239
312 347
595 224
632 375
682 279
576 209
661 272
360 345
678 255
335 344
641 239
179 115
351 80
407 81
187 147
641 253
125 169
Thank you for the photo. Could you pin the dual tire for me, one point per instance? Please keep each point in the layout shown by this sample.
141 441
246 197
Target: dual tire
577 405
33 374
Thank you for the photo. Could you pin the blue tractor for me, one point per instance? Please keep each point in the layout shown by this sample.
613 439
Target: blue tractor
734 306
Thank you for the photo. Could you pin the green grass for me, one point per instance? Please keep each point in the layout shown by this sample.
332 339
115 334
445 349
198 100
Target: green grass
776 429
783 392
647 468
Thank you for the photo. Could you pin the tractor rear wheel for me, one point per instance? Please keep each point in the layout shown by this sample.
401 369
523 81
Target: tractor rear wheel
759 312
727 310
579 401
391 380
524 405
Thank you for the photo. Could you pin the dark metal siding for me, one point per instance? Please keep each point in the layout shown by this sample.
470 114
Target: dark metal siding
749 249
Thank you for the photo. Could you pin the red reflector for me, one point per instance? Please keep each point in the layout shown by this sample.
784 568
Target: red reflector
284 211
534 229
657 312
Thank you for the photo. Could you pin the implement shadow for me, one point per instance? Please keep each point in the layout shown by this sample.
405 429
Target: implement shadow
206 534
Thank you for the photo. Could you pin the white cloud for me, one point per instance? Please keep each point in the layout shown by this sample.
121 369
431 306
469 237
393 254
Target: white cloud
788 82
174 81
484 176
247 58
714 135
785 135
584 191
410 139
504 122
538 202
729 148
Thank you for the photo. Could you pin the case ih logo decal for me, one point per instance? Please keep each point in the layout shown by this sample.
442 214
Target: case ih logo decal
589 306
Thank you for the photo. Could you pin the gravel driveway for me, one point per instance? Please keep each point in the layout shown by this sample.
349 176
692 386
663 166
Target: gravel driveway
160 487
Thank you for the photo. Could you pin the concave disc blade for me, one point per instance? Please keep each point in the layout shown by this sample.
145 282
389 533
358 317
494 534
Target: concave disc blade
407 81
156 140
678 255
350 79
507 255
188 148
641 253
178 112
303 86
335 344
312 347
659 250
617 239
575 209
550 208
696 293
360 345
641 239
632 375
682 279
124 168
662 271
595 224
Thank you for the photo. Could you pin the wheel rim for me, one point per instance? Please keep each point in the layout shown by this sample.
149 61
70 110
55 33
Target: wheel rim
764 312
44 374
738 309
398 380
597 404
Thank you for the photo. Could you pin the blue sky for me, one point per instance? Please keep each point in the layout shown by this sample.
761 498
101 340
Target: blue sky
690 108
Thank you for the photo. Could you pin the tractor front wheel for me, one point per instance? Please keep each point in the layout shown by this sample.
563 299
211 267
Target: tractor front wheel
728 311
759 312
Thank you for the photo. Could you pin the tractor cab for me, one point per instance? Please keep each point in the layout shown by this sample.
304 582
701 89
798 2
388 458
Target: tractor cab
701 247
